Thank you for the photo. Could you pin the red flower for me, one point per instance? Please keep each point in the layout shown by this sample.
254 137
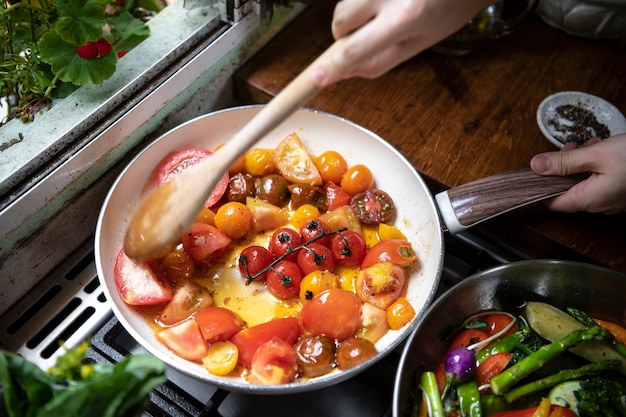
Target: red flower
92 50
122 53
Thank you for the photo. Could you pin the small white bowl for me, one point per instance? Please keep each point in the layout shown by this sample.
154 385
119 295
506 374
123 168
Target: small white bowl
548 117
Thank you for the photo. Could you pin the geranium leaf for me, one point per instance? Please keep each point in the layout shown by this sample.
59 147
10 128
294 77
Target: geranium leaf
79 21
72 68
128 31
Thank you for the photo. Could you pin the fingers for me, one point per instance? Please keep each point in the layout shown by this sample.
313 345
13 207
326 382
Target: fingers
566 162
350 15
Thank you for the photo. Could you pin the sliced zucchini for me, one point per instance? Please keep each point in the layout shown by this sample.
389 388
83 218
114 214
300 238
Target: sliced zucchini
563 394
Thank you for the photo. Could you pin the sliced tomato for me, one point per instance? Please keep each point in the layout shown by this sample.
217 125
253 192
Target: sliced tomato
139 284
178 161
250 339
336 196
218 323
497 322
185 340
188 299
274 362
335 313
397 251
295 163
205 244
528 412
381 284
492 366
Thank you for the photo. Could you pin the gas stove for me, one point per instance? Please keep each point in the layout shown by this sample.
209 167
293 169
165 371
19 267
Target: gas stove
69 306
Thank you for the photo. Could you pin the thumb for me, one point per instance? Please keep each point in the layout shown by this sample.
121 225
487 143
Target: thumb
560 163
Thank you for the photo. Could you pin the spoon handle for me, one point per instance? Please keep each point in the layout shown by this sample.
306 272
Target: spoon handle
168 211
468 204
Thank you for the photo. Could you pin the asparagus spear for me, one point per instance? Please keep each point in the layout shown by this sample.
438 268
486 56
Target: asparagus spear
585 319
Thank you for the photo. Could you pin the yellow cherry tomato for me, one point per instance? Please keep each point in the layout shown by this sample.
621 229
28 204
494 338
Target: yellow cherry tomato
303 214
331 166
207 216
387 232
316 282
399 313
357 179
260 162
221 358
235 219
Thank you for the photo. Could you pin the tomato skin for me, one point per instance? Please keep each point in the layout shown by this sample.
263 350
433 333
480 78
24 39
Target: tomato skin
283 280
218 324
396 251
205 244
316 355
357 179
315 257
188 299
497 322
250 339
492 366
353 351
274 362
373 206
528 412
234 219
381 284
315 228
335 313
177 266
139 284
331 166
178 161
336 196
283 240
253 260
185 340
348 248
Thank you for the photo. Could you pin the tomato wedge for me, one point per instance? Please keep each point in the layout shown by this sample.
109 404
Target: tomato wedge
185 340
295 163
336 196
178 161
397 251
205 244
250 339
218 323
274 362
138 284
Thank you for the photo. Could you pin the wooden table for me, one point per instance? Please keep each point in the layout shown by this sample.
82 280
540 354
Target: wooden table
458 119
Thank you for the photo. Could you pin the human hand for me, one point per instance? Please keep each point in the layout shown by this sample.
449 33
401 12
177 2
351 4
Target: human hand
604 191
381 34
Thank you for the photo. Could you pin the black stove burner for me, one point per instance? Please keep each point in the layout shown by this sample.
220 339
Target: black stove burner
367 394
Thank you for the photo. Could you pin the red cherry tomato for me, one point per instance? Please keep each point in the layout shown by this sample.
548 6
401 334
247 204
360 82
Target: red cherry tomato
284 240
218 323
396 251
254 259
315 228
315 257
348 248
335 313
336 196
250 339
205 244
178 161
528 412
284 279
274 362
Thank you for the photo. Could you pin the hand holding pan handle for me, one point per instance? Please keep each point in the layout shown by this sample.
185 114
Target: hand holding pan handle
468 204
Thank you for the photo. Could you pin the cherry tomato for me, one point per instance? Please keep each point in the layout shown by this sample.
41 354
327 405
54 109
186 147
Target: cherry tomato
284 240
205 244
373 206
380 284
357 179
240 187
335 196
314 229
353 351
260 162
218 323
250 339
335 313
178 161
316 355
308 194
283 280
528 412
234 219
185 340
221 358
315 257
138 283
177 266
303 214
253 259
348 248
492 366
398 252
331 166
274 189
274 362
316 282
399 313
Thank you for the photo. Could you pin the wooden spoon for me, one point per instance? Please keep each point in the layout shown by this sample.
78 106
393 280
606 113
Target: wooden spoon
162 218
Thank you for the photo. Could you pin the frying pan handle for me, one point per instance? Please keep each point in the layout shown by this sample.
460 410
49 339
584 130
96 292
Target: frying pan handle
468 204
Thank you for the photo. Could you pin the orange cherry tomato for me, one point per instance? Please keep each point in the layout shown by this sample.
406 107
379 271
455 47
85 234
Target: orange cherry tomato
399 313
335 313
397 251
331 166
234 219
357 179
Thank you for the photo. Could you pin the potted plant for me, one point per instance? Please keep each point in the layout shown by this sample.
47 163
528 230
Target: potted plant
48 48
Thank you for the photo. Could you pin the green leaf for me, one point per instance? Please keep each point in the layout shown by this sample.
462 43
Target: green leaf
79 21
127 31
72 68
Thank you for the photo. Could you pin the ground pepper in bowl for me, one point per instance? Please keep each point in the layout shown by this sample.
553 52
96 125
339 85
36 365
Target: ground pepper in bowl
582 124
